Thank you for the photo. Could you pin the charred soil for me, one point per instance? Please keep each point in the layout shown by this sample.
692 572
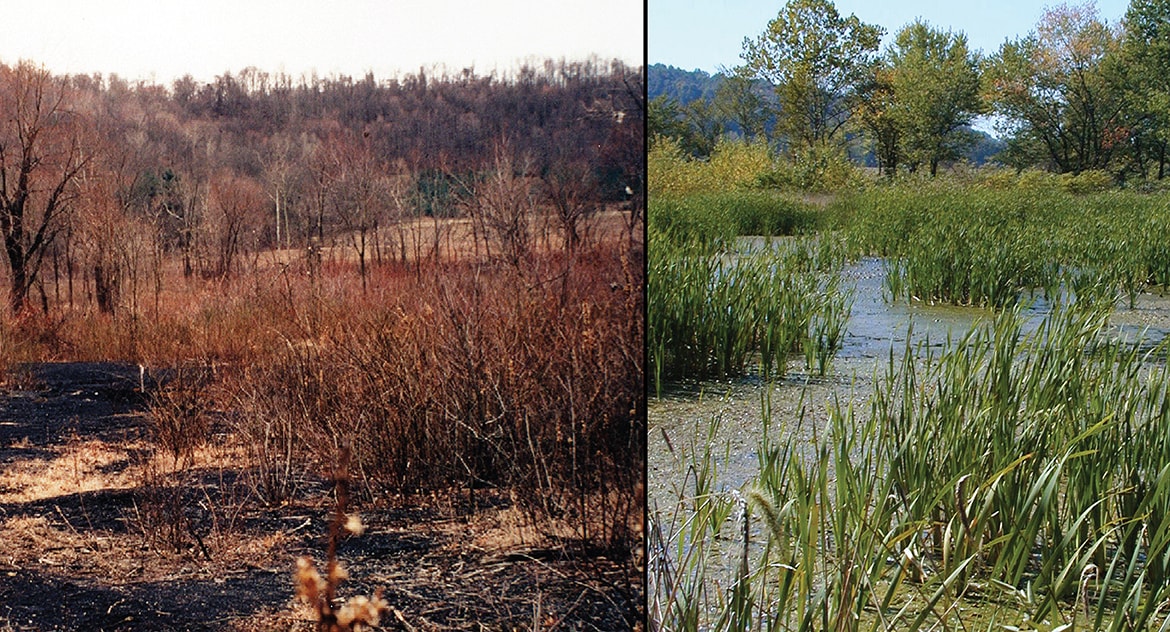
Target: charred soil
100 532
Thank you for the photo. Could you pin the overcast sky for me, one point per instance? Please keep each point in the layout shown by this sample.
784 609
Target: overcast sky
163 39
708 34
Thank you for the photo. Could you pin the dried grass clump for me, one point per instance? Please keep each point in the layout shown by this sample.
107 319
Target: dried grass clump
180 412
358 613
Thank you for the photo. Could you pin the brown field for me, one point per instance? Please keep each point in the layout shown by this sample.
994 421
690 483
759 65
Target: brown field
165 466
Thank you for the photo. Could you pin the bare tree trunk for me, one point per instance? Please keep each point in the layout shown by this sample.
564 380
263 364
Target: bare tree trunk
57 275
69 269
18 281
377 245
362 255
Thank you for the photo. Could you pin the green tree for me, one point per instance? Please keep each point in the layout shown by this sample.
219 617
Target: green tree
818 62
935 83
738 100
1059 96
879 120
663 119
706 126
1145 60
696 126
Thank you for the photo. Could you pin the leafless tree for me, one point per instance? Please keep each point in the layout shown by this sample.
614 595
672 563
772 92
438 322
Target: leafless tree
502 204
235 203
358 192
281 162
41 153
571 190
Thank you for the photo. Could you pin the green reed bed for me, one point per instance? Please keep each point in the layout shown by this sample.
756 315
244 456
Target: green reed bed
720 306
1012 479
720 216
974 245
720 312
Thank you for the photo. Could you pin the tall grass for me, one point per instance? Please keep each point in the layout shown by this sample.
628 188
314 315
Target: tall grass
715 313
1013 478
977 245
477 378
719 307
720 217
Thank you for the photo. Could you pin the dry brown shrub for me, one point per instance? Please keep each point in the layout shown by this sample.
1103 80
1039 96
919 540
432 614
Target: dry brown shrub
180 414
521 375
472 376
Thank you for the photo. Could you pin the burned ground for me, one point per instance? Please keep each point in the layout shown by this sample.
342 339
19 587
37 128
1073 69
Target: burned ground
92 536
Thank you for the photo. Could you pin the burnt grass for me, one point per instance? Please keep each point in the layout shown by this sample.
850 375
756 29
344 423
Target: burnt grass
118 574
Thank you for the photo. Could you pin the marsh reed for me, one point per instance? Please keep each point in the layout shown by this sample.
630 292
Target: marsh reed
1012 478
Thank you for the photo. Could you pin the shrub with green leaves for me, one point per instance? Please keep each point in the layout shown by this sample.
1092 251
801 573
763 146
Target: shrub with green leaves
1091 181
813 170
734 164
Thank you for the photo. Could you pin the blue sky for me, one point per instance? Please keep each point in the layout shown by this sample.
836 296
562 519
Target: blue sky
708 34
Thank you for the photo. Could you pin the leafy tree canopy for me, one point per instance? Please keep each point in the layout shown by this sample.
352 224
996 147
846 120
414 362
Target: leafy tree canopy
818 62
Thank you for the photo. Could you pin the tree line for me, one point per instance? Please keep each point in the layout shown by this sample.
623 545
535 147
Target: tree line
102 180
1073 95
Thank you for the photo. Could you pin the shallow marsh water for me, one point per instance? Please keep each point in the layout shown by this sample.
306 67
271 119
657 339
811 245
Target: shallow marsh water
681 417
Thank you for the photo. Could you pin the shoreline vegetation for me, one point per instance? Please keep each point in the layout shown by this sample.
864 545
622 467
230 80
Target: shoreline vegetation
1000 478
1005 477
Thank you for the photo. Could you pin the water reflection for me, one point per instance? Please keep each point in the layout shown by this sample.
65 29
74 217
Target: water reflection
875 324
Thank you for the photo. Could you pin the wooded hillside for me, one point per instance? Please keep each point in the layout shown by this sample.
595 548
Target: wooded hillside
100 177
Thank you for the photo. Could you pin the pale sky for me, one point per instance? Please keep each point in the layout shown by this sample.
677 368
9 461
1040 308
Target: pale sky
708 34
163 39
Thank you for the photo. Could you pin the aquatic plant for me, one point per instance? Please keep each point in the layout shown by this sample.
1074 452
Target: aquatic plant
988 247
1020 477
717 313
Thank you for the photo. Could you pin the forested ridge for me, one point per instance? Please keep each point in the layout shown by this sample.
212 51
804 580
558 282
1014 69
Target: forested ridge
94 165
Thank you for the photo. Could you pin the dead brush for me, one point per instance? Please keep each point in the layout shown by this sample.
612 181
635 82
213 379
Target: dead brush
476 376
180 415
268 419
18 348
358 613
166 514
19 377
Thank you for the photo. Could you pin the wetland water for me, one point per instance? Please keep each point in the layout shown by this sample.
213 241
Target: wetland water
681 417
